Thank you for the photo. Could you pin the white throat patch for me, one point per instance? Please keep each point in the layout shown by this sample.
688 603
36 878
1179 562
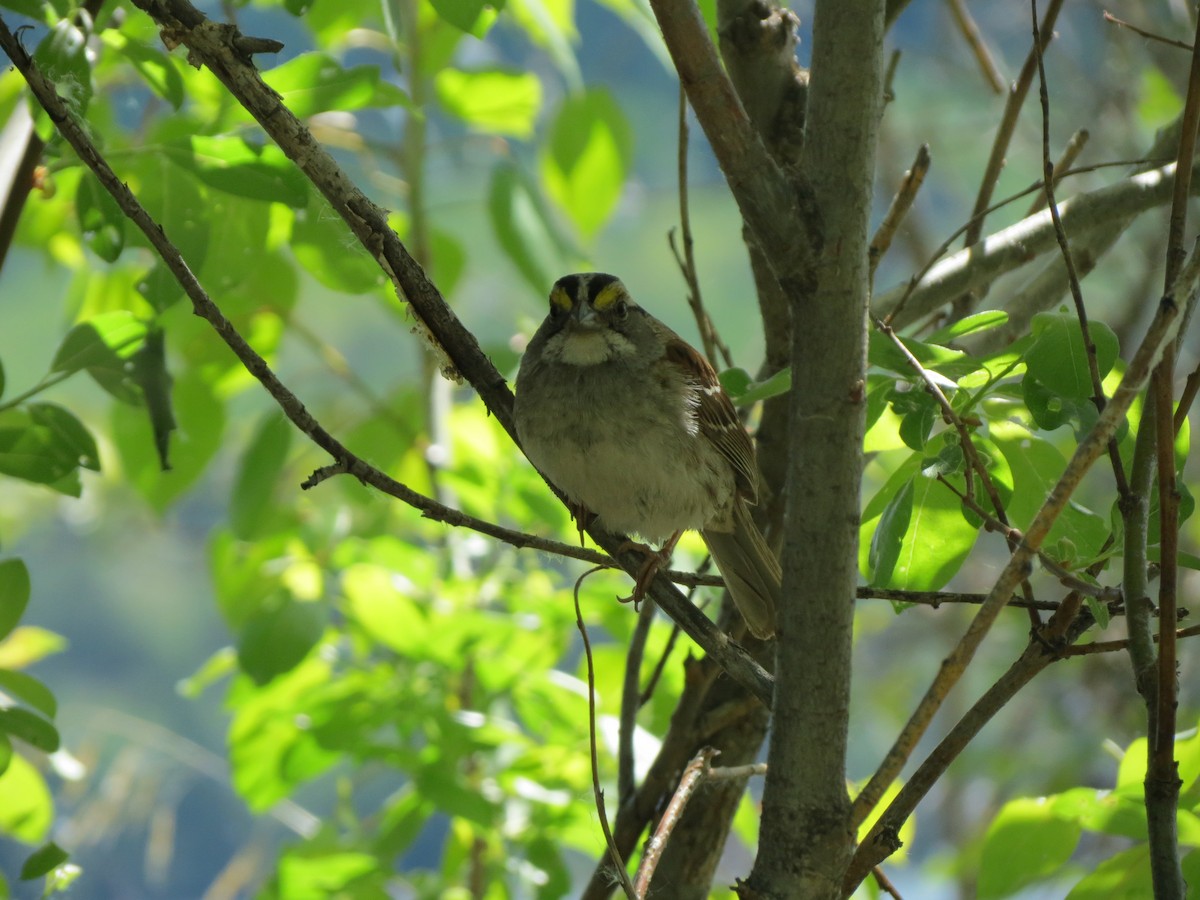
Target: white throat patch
590 348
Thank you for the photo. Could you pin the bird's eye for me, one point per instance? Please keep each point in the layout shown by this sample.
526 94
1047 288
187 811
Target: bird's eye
621 308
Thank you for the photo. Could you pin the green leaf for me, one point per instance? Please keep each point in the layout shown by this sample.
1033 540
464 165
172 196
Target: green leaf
972 324
586 158
70 434
1123 876
33 453
735 381
28 644
156 68
926 547
775 386
62 57
920 413
882 352
234 165
318 873
43 860
29 727
250 503
104 341
315 82
325 246
1058 358
150 373
27 688
276 638
1025 842
474 17
384 612
28 808
100 218
14 594
201 418
1036 466
888 538
495 101
521 227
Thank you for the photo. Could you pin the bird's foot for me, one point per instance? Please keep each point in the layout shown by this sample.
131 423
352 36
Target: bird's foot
656 560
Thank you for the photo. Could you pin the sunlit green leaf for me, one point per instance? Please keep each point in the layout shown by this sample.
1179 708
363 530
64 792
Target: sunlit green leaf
69 433
1025 842
232 164
324 245
497 101
14 594
250 502
28 808
585 160
474 17
278 637
155 67
101 221
521 227
1123 876
28 689
322 874
103 342
315 82
1058 358
888 537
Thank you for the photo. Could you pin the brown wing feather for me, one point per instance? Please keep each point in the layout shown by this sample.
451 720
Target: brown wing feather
717 417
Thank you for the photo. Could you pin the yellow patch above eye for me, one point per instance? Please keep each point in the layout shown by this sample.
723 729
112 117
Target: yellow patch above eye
608 295
561 299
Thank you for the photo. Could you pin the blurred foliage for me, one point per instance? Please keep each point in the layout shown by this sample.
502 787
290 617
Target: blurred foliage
428 680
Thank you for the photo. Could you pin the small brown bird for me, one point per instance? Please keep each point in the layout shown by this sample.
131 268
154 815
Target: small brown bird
631 423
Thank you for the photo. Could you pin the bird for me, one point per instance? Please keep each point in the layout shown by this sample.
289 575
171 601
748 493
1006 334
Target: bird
631 423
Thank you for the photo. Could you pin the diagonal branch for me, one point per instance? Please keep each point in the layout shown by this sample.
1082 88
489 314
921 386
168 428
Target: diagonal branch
1160 333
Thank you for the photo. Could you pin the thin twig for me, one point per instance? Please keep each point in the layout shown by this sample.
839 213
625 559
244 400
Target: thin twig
1004 133
214 45
1123 643
1121 23
974 38
885 883
692 777
1020 233
1064 246
630 701
713 345
1070 153
910 184
1063 629
597 791
1161 330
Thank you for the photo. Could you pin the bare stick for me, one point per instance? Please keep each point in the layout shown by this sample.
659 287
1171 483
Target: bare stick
597 791
1070 153
1150 35
630 701
693 775
974 38
1064 247
1162 330
1062 630
687 259
1123 644
1008 125
218 48
901 204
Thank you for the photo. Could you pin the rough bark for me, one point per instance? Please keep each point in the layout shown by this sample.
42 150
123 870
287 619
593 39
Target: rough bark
806 838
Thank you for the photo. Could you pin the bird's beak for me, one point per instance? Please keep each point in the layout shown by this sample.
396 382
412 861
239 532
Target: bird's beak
585 317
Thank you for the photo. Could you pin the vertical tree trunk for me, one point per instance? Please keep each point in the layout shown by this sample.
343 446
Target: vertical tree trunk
806 839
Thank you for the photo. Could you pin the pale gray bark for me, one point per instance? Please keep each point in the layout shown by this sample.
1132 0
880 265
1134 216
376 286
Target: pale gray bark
806 840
